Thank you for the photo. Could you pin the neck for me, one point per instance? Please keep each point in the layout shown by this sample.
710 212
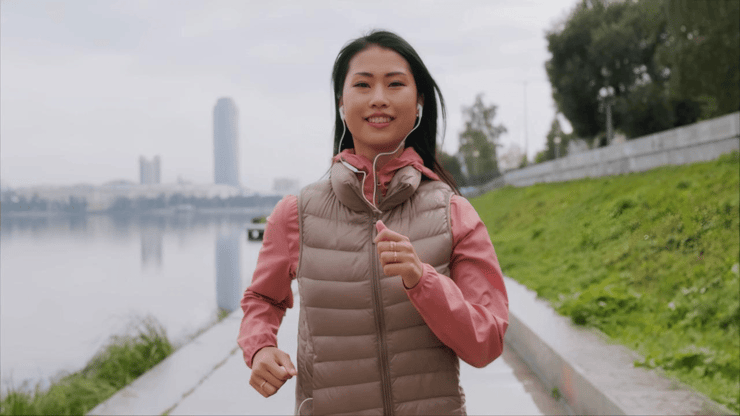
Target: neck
383 156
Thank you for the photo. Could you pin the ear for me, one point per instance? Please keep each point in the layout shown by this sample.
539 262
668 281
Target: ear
420 100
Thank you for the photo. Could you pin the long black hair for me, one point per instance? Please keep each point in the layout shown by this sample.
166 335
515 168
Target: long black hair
424 138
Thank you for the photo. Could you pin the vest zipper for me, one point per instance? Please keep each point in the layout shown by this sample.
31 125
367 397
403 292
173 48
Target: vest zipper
385 377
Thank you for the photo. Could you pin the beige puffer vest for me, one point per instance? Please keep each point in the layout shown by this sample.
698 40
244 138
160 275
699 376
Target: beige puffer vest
362 346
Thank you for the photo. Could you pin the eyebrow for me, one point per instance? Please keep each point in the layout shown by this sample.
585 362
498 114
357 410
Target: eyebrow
390 74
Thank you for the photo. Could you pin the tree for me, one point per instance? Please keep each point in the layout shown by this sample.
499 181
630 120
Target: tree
702 50
452 165
553 150
657 64
601 54
478 141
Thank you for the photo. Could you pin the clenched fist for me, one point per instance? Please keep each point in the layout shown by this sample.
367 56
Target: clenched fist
271 368
397 255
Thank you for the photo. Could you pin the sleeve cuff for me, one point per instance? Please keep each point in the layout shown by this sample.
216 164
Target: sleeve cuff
250 352
427 270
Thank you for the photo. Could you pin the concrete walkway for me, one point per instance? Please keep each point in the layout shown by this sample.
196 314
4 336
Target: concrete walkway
544 354
208 376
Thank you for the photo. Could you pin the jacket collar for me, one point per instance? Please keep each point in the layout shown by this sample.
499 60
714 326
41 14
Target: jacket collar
399 179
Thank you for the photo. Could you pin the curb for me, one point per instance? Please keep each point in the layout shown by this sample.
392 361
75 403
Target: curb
176 376
591 374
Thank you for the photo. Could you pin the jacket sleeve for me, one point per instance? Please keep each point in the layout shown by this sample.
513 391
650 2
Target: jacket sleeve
469 312
266 299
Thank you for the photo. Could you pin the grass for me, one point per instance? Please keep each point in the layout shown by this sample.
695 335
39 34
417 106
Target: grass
651 259
119 363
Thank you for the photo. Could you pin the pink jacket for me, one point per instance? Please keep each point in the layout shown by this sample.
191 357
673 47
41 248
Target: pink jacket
469 312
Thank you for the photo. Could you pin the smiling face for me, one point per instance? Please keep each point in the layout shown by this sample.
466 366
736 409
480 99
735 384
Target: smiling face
379 99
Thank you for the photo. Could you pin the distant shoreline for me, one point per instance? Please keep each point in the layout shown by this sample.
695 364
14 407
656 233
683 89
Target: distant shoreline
167 212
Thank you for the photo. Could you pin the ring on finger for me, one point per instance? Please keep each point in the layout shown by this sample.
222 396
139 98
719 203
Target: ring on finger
393 246
395 256
262 386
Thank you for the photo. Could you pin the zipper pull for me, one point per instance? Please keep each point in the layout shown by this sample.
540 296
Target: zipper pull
375 226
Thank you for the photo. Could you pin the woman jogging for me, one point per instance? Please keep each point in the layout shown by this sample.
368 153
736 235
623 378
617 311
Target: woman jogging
396 272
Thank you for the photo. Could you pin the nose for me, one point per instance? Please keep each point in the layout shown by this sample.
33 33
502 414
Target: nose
379 98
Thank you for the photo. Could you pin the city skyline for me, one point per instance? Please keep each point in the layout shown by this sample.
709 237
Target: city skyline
88 87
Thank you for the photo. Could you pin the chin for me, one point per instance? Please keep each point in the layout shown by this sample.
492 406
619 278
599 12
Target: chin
385 148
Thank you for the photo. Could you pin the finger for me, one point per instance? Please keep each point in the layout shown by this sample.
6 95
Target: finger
385 233
380 226
396 269
279 372
264 388
287 364
391 257
258 386
389 235
270 378
399 246
402 268
269 389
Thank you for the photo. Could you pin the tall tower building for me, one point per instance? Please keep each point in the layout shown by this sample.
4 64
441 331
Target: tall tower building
226 142
149 171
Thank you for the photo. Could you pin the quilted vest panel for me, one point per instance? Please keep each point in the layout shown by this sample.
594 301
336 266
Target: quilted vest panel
362 346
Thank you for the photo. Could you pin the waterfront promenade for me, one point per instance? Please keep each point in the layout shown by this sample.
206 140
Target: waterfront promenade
545 358
208 376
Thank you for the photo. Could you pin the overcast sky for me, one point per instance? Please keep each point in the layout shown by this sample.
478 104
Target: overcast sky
88 86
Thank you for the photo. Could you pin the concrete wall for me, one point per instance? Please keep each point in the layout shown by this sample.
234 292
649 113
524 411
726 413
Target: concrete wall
697 142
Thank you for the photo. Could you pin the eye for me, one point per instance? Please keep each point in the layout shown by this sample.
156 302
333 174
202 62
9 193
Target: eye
397 84
362 85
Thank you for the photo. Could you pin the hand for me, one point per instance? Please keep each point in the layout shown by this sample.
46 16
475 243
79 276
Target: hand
271 368
397 255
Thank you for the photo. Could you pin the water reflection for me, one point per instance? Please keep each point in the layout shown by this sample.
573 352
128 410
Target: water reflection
79 280
151 247
228 270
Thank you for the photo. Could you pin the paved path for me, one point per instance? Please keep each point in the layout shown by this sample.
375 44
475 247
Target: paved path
208 376
593 375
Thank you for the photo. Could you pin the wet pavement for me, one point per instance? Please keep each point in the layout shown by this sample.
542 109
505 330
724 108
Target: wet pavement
209 376
545 356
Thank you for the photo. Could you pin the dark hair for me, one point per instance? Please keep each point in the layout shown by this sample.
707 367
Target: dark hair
424 138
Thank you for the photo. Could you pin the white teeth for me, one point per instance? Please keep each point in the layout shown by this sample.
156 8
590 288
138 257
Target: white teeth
379 120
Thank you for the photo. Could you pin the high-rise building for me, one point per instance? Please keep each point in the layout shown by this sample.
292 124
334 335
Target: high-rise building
226 142
149 171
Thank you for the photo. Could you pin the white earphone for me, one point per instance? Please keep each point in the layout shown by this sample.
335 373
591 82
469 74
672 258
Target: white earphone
419 109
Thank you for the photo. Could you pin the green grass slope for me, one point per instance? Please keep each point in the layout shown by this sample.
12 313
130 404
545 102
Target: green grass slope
650 259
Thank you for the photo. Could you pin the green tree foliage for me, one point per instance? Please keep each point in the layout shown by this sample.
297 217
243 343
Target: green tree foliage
452 165
702 50
550 151
478 141
658 63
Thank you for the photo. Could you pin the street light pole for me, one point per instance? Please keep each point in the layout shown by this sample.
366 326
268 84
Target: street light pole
526 141
607 99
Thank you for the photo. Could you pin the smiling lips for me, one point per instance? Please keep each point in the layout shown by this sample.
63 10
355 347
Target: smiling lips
381 120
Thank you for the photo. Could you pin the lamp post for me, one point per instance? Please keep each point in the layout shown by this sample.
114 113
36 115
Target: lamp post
607 95
557 146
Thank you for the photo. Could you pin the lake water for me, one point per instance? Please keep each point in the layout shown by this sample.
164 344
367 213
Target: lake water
67 284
